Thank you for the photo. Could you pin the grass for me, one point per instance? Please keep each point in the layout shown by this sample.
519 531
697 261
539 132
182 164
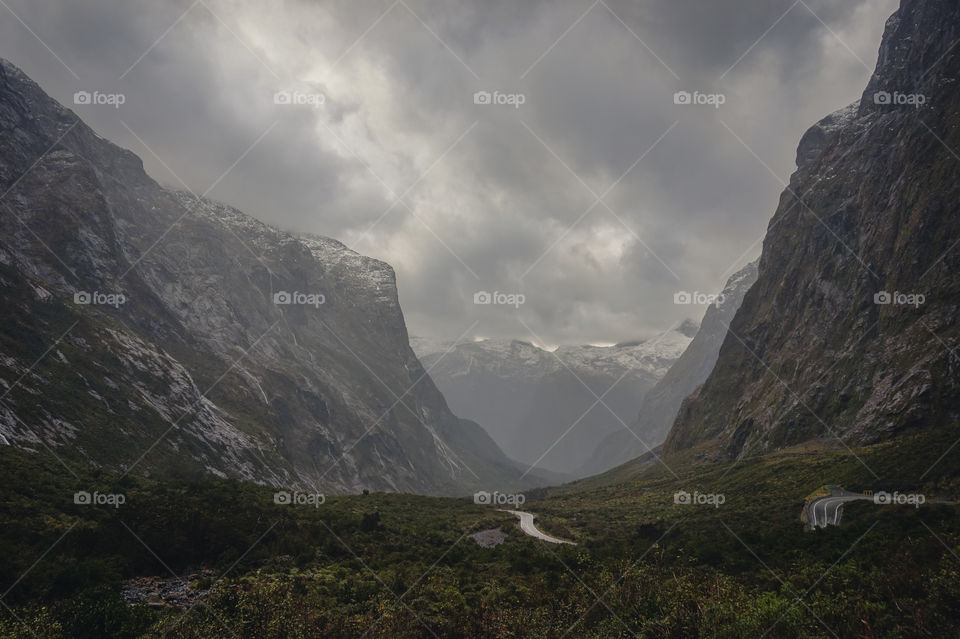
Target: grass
395 565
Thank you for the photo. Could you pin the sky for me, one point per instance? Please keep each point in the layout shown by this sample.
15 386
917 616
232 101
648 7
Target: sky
537 150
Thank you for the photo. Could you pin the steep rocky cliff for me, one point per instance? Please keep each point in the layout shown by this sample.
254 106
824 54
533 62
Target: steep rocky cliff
148 329
849 334
661 403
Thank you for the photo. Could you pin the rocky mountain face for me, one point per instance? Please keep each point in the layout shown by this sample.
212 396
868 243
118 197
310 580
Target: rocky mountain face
661 403
541 406
850 331
148 329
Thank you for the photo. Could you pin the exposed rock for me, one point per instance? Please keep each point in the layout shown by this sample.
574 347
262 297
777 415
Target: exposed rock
662 403
871 211
214 343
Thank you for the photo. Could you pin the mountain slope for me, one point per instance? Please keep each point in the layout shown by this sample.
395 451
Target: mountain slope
660 405
871 211
541 406
235 349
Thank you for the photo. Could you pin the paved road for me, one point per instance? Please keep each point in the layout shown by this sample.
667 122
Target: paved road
826 511
527 526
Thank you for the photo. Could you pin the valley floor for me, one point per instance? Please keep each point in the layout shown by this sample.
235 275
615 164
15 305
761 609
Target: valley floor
663 550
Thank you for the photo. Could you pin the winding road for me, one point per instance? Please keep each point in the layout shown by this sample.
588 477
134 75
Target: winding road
527 526
826 511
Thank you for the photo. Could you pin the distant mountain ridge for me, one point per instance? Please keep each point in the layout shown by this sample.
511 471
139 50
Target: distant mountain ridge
236 349
661 404
850 333
542 405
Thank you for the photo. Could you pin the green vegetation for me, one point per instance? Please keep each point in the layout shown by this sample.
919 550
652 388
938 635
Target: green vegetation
644 566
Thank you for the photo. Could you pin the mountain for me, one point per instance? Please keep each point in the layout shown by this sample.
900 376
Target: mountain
148 329
849 333
542 406
660 405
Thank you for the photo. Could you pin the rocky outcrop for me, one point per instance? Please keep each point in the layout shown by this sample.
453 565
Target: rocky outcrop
148 329
849 334
662 403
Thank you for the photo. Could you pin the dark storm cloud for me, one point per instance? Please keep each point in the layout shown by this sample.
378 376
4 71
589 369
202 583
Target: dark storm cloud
499 195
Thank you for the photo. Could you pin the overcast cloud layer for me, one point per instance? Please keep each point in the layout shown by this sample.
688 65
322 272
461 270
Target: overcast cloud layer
491 197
